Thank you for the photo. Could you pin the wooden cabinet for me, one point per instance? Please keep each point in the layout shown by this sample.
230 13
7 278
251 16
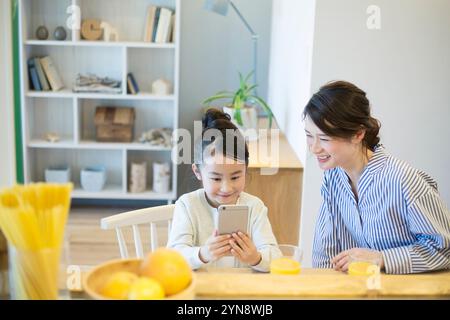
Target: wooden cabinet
281 191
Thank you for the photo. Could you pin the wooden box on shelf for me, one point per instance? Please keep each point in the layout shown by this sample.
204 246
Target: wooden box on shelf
114 124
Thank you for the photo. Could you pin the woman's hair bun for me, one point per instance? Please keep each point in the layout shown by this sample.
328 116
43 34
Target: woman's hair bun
216 119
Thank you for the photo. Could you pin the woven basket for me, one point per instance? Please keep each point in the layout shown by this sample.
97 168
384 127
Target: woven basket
97 277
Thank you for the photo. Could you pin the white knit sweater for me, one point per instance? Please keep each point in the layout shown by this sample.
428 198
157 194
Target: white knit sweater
195 219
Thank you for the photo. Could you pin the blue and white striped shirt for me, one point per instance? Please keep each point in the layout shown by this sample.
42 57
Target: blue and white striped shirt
398 212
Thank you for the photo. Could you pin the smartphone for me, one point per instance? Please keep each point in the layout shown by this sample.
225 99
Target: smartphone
233 218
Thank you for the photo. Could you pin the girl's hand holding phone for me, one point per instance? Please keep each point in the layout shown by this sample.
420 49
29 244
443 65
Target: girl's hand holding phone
243 249
215 248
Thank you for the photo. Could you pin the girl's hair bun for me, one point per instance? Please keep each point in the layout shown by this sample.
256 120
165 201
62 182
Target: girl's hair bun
227 139
216 119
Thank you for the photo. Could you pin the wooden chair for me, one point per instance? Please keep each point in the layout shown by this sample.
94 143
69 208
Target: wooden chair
138 217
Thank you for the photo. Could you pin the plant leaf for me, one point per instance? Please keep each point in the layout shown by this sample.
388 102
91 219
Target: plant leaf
237 116
265 107
249 89
248 76
224 91
217 97
237 102
241 81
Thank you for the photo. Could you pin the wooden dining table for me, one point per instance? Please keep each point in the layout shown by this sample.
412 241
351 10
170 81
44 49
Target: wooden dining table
319 283
243 283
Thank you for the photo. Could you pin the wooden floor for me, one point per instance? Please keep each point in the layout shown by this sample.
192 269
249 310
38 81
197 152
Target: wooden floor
87 244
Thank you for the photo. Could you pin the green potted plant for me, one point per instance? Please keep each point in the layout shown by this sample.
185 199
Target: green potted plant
241 104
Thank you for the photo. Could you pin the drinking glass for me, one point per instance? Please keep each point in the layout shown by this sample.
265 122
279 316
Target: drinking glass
286 259
363 265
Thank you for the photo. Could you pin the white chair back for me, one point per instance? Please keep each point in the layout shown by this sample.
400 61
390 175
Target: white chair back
135 218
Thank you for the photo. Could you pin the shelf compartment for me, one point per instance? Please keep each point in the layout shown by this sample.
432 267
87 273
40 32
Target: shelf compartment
150 65
149 115
69 61
36 13
50 115
118 13
40 159
149 157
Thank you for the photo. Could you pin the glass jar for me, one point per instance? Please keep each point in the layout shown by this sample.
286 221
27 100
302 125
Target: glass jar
33 274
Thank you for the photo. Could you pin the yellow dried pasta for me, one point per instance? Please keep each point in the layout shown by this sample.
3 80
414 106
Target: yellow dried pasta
33 218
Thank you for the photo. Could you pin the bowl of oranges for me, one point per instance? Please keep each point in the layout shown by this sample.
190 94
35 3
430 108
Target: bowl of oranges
163 274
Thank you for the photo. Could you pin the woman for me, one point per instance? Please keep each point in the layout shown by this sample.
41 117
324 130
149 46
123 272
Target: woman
374 206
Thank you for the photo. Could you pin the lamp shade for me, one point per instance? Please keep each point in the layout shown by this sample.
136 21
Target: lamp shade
217 6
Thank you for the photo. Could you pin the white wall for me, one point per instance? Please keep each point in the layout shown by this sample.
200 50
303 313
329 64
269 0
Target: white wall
213 49
290 67
7 150
404 67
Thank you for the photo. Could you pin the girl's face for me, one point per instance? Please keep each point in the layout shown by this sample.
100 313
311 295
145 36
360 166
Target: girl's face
332 152
223 179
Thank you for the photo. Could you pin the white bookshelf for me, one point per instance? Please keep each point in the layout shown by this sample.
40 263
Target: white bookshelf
71 115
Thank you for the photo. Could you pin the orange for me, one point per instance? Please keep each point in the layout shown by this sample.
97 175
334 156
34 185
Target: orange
146 289
284 266
361 268
169 268
118 285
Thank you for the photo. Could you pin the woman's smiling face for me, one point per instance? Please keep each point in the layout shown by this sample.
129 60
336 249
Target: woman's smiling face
330 152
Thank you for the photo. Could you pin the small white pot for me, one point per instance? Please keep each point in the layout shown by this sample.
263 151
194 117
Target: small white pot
57 174
93 178
249 117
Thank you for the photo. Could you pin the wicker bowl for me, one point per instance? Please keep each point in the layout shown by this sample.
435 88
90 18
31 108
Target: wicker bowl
97 277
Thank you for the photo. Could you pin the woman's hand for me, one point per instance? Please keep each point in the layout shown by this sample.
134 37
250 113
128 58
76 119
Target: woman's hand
215 248
243 249
342 260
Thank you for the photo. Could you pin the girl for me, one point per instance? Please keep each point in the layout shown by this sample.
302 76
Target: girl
221 160
374 206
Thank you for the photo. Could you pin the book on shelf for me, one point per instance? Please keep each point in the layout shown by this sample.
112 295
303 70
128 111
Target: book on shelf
149 23
52 73
159 24
130 88
34 77
42 78
172 29
155 23
163 29
133 87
